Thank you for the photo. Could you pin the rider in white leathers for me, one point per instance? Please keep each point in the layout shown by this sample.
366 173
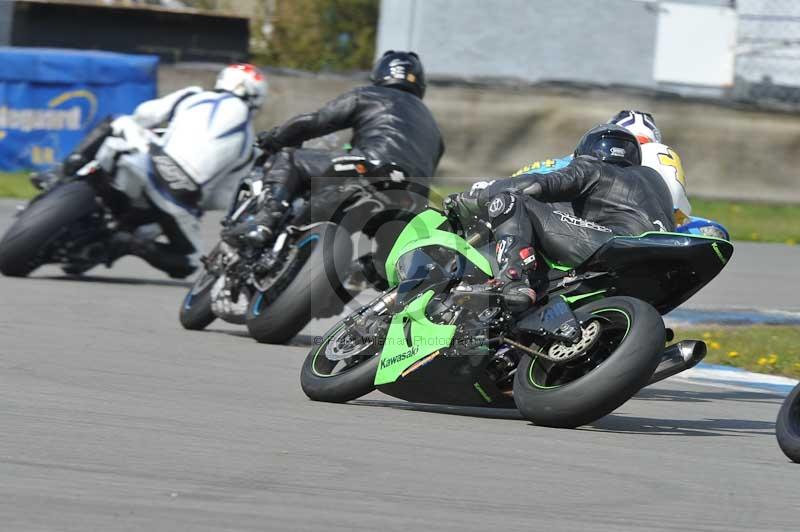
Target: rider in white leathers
206 148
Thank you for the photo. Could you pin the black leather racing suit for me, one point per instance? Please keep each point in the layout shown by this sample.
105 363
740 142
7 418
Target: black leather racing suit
570 213
388 124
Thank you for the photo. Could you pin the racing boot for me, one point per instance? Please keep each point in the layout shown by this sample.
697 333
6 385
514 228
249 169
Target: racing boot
259 229
511 289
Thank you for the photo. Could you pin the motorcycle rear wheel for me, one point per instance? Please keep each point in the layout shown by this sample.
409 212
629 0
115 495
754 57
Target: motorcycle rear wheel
614 368
23 245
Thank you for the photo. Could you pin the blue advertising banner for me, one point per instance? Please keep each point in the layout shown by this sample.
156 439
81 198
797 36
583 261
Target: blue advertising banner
50 98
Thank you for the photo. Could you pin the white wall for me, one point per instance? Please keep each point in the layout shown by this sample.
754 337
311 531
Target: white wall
593 41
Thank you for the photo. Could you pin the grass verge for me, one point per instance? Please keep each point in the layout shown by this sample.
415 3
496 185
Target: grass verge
16 185
755 221
773 349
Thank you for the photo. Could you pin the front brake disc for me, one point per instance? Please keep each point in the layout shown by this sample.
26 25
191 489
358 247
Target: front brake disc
345 345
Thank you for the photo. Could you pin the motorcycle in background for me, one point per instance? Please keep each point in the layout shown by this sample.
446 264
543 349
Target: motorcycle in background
275 286
71 221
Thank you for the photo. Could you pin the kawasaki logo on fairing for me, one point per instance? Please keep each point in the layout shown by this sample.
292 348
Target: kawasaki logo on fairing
399 358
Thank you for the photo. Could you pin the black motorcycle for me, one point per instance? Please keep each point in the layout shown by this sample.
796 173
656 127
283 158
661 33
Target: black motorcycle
71 222
276 285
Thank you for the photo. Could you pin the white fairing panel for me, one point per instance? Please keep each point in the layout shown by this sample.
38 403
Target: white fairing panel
667 163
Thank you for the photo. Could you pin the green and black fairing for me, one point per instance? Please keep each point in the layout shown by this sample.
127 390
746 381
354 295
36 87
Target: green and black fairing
427 259
425 360
664 269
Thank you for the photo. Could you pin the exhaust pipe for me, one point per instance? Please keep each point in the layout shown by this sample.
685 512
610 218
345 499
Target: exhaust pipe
679 357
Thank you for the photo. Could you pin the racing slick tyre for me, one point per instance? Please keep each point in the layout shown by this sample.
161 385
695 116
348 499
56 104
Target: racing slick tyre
196 313
622 345
348 374
787 427
310 286
41 223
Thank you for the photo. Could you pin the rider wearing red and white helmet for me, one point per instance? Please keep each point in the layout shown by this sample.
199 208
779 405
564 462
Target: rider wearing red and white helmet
245 81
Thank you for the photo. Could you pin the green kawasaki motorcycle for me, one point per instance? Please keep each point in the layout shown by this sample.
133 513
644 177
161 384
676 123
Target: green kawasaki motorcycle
573 357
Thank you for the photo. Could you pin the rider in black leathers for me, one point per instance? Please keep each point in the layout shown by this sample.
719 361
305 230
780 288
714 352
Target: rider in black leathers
569 214
389 121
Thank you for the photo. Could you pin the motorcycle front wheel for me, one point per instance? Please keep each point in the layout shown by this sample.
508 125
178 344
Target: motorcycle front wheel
787 426
341 367
196 313
311 286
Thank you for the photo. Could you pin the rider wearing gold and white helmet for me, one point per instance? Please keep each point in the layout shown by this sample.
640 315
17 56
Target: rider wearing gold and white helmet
659 157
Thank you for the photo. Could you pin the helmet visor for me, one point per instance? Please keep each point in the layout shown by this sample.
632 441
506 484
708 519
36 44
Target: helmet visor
617 150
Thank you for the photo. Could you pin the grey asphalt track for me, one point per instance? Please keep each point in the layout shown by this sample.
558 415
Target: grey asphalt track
114 418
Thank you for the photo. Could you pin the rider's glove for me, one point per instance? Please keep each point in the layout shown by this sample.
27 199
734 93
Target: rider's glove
463 206
468 205
73 163
268 141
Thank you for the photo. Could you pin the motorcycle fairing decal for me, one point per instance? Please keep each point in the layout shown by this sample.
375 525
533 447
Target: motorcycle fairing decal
580 297
258 305
423 231
715 247
554 265
426 337
419 363
670 233
483 393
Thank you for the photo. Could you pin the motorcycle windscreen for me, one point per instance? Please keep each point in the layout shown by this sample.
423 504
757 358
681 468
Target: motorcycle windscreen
424 230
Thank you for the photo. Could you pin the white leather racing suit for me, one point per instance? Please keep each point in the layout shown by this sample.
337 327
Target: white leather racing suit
206 147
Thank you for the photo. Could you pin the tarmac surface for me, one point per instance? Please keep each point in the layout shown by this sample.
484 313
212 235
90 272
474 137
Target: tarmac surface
114 418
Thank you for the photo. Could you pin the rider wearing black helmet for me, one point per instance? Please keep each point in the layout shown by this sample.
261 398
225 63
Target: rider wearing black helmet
570 213
389 122
401 70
